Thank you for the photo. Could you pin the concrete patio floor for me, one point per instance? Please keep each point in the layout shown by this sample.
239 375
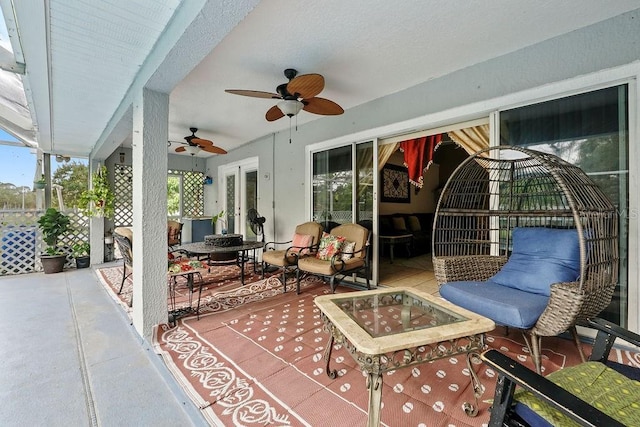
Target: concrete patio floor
71 357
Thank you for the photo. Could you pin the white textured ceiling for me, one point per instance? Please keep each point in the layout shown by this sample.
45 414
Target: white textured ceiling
365 49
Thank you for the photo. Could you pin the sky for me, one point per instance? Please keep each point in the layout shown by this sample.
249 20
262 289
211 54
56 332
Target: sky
17 164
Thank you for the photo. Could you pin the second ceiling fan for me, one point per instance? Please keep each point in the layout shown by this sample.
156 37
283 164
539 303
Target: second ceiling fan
194 143
299 94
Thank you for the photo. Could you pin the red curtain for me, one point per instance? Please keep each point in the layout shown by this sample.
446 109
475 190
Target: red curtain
418 156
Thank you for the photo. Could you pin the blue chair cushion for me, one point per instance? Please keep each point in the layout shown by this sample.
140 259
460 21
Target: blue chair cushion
504 305
540 257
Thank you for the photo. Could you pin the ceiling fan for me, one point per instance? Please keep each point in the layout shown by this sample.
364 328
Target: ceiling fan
195 144
299 94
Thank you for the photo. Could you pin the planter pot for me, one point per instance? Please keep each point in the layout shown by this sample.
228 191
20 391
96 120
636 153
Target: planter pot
53 263
83 262
39 185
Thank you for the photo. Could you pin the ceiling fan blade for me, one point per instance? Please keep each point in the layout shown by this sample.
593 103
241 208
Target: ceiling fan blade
201 142
213 149
254 93
306 85
322 106
274 113
180 149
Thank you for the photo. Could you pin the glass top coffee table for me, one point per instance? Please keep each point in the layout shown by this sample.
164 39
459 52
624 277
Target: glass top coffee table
391 328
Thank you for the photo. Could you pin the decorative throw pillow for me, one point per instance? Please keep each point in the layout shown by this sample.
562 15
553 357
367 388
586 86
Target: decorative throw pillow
540 257
414 223
399 224
302 241
329 246
347 250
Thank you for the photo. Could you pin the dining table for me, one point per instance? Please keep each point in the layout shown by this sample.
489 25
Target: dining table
201 248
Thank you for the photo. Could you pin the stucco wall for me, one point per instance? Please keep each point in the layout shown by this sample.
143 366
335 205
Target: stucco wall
604 45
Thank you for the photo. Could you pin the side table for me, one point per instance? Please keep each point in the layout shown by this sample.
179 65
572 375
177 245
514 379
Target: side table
391 241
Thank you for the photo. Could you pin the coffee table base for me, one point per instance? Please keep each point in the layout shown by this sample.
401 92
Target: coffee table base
375 365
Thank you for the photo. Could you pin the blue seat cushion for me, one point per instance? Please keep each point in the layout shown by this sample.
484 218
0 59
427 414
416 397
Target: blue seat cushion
541 257
504 305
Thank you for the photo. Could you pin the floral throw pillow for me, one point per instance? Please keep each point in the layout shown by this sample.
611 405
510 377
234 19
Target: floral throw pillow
347 250
329 246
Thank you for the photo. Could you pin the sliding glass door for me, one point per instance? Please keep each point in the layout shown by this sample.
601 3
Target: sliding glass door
589 130
343 187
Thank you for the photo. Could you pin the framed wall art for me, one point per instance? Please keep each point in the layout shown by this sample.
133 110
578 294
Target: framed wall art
395 184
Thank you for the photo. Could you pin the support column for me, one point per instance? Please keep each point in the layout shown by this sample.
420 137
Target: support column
96 226
150 136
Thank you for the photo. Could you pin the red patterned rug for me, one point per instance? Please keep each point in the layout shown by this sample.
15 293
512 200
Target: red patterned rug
255 358
258 360
219 278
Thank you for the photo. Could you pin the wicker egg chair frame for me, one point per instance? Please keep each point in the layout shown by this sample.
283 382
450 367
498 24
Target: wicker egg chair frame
503 187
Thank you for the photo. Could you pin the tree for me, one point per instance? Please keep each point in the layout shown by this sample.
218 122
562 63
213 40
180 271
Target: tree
173 195
74 179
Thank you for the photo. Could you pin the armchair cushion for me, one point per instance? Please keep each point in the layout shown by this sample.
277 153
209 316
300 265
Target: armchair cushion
329 246
504 305
600 386
414 223
541 257
399 224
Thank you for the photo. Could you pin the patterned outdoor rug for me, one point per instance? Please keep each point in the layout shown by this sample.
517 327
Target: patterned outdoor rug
219 278
256 358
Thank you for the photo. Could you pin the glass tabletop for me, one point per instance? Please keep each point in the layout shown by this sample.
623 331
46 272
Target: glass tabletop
395 312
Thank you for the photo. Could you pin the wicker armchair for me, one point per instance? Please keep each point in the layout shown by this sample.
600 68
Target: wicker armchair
502 189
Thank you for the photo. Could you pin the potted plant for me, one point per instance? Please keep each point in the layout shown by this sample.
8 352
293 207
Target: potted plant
53 224
98 201
81 251
216 218
39 184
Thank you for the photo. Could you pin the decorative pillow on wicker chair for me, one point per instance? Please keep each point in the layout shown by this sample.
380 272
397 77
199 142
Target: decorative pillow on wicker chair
329 246
347 250
302 241
540 257
398 223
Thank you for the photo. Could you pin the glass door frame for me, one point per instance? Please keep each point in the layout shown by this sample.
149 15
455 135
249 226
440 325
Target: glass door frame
310 150
238 170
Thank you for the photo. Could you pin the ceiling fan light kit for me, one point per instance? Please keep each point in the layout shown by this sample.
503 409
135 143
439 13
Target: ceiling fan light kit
298 94
290 107
192 149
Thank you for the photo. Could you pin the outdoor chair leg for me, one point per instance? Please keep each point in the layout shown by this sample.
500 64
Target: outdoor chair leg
284 279
124 276
298 282
576 340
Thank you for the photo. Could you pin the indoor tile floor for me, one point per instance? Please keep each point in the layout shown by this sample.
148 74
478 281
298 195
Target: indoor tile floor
414 272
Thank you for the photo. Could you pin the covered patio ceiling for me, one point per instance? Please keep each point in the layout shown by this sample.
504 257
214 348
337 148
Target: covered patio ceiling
86 60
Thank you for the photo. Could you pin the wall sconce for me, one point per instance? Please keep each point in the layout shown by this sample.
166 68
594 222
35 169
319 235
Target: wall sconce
122 157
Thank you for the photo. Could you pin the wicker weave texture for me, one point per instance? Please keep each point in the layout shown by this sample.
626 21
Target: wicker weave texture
504 187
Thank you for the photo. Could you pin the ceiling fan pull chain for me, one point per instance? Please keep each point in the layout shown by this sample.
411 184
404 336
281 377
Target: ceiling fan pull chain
289 130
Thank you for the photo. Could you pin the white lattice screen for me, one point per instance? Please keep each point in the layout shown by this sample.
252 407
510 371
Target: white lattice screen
21 240
123 190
